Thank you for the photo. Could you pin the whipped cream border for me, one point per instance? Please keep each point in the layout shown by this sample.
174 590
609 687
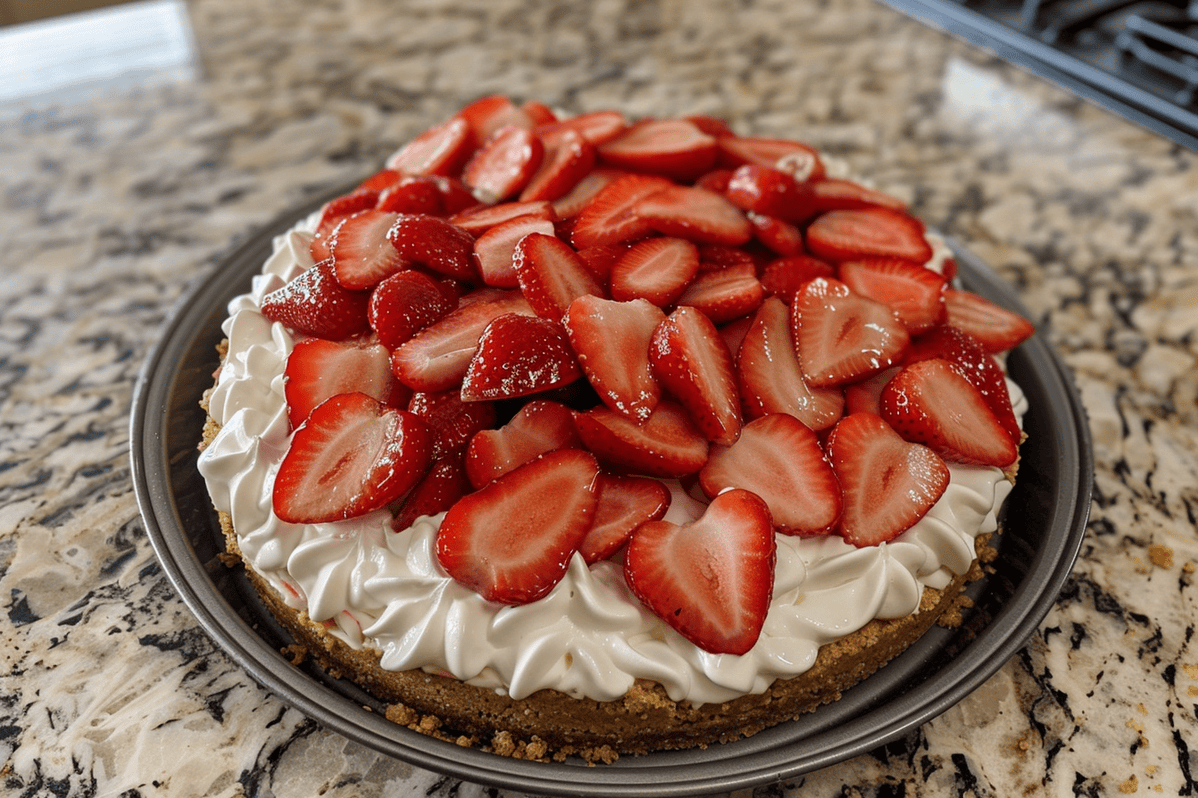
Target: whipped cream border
590 637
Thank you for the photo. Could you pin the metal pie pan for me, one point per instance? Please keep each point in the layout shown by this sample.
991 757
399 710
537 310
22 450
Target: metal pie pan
1044 523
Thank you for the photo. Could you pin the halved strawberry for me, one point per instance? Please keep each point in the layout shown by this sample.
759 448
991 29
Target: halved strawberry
585 190
833 194
611 339
437 491
511 542
914 293
551 275
770 379
453 422
412 194
609 216
931 402
502 167
597 127
656 269
785 276
318 369
694 214
540 426
888 483
568 159
404 304
770 191
314 303
842 337
667 444
440 150
487 115
436 358
481 218
689 359
781 238
353 455
868 233
624 504
725 294
433 242
997 328
797 159
362 252
333 213
494 251
710 580
519 355
779 458
675 148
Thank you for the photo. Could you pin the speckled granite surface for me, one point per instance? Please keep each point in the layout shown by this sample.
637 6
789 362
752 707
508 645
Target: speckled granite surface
116 199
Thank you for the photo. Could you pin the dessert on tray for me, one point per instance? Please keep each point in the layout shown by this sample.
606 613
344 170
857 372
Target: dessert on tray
598 436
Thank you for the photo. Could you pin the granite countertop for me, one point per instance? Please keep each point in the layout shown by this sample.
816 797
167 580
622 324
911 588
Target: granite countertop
119 196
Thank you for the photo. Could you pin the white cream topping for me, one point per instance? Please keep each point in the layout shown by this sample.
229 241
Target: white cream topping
590 636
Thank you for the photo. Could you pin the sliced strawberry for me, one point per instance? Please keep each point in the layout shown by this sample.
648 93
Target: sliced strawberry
455 195
495 250
997 328
781 238
352 456
481 218
799 160
540 426
715 257
770 191
609 217
412 194
452 421
656 269
611 339
779 458
785 276
318 369
624 504
770 379
597 127
734 333
440 150
888 483
931 402
486 116
437 491
333 213
694 214
539 113
667 444
713 126
551 275
502 167
380 180
844 195
976 364
519 355
865 396
584 191
689 359
406 303
914 293
710 580
726 294
511 542
716 180
362 252
436 358
432 242
868 233
842 337
567 160
314 303
600 259
675 148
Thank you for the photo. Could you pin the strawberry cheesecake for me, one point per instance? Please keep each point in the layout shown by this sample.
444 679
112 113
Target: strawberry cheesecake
596 436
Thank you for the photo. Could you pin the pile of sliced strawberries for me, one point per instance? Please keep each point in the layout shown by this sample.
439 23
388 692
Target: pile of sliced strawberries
530 322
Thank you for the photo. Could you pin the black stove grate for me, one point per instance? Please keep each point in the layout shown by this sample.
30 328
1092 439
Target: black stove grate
1138 58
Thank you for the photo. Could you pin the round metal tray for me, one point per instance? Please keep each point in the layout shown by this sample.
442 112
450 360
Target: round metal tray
1044 522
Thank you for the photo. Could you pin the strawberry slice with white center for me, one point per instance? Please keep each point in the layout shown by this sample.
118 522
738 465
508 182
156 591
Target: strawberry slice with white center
440 150
333 213
551 275
667 444
481 218
624 504
841 336
404 304
868 233
888 483
569 157
834 194
710 580
676 148
433 242
656 269
695 214
519 355
486 116
690 361
540 426
785 276
318 369
779 458
797 159
436 358
511 542
725 294
363 255
610 215
585 190
495 250
914 293
611 340
770 191
353 455
997 328
314 303
597 127
770 379
437 491
453 422
503 166
412 194
931 402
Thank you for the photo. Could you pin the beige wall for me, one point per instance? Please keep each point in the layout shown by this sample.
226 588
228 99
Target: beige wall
12 11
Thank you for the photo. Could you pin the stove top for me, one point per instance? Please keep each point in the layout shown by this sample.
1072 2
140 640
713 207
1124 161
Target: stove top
1138 58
